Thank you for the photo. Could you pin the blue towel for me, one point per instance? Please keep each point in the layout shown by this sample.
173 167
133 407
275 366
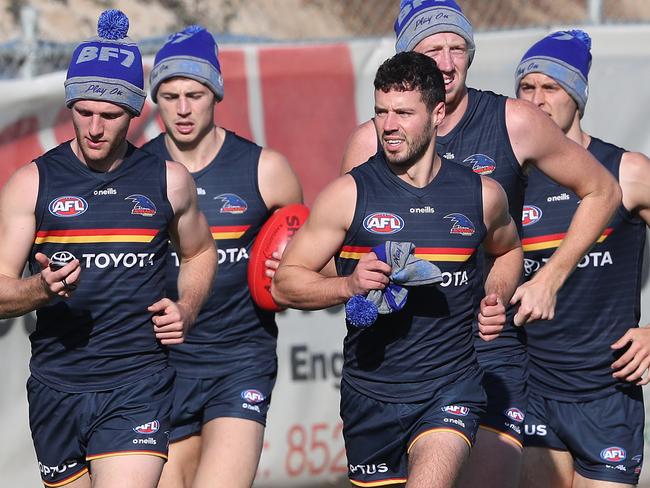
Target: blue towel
407 270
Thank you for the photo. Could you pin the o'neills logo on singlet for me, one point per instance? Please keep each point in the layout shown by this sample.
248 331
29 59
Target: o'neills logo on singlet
383 223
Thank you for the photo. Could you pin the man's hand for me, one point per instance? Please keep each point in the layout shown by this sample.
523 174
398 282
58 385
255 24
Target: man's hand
536 302
273 263
170 321
491 317
371 273
634 363
61 282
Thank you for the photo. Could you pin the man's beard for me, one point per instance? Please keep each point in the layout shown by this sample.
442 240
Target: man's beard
417 148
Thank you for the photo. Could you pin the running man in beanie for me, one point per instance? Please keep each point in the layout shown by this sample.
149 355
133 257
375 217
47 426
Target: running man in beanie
100 390
227 366
499 137
584 425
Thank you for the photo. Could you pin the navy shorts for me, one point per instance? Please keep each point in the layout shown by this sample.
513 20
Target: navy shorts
71 429
506 385
244 395
604 436
378 435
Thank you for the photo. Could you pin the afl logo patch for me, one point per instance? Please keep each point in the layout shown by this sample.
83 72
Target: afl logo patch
515 414
68 206
530 215
142 205
148 428
461 224
613 454
481 164
456 410
383 223
252 396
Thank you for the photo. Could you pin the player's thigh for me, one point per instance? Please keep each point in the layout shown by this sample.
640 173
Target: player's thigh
180 469
81 482
435 460
131 471
495 461
580 481
542 467
230 453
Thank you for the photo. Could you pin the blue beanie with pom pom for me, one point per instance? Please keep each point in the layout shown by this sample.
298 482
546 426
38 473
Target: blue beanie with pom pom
107 67
564 56
191 53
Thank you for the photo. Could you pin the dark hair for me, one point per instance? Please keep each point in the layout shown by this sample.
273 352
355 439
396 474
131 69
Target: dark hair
408 71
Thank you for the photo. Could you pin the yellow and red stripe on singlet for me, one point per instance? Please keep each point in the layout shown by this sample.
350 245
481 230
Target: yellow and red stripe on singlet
457 254
551 241
222 232
87 236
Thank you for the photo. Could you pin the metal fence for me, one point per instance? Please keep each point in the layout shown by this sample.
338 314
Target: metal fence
40 40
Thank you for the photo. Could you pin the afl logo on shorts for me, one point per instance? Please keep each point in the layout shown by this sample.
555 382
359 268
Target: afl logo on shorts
515 414
148 428
383 223
613 454
456 410
481 164
68 206
252 396
530 215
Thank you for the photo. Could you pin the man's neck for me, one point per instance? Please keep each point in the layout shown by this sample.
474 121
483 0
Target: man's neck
454 111
422 172
110 163
202 152
577 135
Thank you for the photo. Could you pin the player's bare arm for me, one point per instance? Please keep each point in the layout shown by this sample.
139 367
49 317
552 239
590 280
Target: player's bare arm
279 184
503 247
361 146
197 255
567 163
634 178
298 282
17 229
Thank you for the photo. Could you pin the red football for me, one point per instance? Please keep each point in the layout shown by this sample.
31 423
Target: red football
276 231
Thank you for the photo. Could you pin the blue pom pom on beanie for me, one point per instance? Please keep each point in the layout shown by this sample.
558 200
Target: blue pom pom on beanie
191 53
107 67
564 56
419 19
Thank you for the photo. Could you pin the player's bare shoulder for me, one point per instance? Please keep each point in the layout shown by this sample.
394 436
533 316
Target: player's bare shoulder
361 146
20 192
181 190
278 183
495 201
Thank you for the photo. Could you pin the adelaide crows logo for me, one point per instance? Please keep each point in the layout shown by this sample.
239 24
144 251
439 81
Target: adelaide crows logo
232 204
481 164
143 205
462 225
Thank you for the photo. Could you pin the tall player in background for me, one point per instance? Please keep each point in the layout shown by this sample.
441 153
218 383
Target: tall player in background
227 366
411 393
100 390
584 426
500 137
